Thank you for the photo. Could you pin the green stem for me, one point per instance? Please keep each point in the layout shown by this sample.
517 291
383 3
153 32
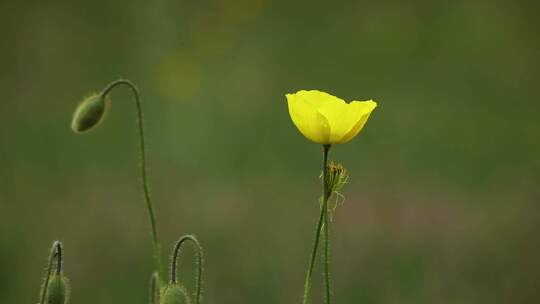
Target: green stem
322 216
55 252
326 251
154 289
198 262
149 206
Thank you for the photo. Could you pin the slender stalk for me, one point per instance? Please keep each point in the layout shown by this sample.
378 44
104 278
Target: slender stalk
326 248
322 216
198 262
154 289
151 214
55 252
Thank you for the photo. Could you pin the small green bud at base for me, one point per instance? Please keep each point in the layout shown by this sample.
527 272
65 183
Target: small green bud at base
89 113
174 293
57 290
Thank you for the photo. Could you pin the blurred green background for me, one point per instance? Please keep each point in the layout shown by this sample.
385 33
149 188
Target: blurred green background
442 205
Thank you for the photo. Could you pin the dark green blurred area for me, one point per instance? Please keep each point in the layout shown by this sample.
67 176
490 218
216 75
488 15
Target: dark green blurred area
442 205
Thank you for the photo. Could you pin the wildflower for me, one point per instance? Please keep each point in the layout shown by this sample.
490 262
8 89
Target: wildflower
326 119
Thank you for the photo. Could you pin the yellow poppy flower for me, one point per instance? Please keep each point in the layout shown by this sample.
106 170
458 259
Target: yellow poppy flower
327 119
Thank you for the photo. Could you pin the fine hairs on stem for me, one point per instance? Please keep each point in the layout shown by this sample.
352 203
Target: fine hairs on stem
89 114
198 263
55 252
323 221
142 148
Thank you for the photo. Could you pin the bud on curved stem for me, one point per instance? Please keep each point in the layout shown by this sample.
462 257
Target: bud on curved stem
198 264
89 114
55 289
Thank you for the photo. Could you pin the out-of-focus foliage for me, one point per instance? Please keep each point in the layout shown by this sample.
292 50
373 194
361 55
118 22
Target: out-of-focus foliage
442 202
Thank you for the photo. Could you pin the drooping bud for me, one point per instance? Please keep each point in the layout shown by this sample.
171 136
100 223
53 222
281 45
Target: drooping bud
57 290
174 293
89 113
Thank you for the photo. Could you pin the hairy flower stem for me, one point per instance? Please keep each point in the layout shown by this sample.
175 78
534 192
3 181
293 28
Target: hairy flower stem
322 218
198 262
55 252
151 214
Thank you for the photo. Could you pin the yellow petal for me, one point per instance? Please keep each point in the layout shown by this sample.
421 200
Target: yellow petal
362 110
331 107
308 120
317 99
341 116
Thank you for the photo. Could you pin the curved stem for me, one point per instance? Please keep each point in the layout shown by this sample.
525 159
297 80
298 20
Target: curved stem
151 214
198 262
55 252
322 216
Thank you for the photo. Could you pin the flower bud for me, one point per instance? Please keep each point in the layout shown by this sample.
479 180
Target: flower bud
174 293
57 290
89 113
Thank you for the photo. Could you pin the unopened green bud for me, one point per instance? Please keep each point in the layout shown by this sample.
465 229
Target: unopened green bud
174 293
57 290
89 113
